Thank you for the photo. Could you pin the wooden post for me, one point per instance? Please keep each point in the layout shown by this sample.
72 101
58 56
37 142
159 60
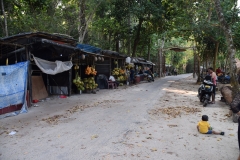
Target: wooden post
195 63
158 55
110 61
70 82
28 54
160 62
164 64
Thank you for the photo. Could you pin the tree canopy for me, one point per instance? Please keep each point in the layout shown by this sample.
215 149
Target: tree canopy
132 27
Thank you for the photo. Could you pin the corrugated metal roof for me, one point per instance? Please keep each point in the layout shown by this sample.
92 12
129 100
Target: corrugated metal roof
18 38
113 53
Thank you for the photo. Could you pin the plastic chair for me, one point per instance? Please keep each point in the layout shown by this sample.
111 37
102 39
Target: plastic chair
112 84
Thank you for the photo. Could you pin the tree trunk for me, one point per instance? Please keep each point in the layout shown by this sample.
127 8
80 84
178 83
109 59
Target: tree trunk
129 36
160 58
215 56
231 50
163 64
198 63
5 19
137 39
149 46
195 65
83 26
206 59
117 42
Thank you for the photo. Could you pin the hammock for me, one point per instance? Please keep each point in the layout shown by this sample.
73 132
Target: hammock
52 67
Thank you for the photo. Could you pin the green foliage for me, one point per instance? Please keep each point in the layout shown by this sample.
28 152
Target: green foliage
113 23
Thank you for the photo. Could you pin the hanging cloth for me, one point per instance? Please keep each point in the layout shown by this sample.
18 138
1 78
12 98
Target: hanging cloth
52 67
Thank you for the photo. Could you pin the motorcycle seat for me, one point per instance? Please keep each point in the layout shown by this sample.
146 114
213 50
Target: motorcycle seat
207 82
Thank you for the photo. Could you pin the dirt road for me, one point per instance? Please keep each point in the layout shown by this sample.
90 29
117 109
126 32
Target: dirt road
123 124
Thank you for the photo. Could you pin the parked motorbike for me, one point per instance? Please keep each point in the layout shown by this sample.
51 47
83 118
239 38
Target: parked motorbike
205 91
225 79
148 77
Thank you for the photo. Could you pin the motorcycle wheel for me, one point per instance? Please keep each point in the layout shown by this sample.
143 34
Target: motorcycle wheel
205 103
226 81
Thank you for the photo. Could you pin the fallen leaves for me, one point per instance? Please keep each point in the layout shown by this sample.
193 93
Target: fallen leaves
227 115
75 109
153 149
53 120
172 125
175 111
94 136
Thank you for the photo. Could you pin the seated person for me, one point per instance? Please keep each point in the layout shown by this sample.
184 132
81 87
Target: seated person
218 71
111 78
205 128
140 72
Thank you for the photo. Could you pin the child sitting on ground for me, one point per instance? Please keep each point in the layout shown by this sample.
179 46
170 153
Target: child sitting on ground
204 127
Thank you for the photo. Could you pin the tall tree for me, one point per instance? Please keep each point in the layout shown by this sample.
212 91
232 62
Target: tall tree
230 45
5 19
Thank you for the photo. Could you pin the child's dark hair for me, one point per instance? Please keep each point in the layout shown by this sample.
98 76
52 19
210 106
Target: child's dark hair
204 118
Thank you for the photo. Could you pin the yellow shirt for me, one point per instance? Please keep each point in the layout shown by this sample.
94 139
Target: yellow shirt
203 126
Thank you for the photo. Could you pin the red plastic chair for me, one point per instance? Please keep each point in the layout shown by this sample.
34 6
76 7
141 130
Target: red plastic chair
112 84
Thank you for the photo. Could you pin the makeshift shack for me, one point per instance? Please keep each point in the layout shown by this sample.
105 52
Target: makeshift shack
91 55
49 69
112 60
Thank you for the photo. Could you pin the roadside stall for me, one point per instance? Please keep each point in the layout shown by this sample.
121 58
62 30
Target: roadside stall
85 71
140 66
113 64
48 59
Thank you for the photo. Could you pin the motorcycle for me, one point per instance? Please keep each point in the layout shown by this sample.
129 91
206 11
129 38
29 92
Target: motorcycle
148 77
225 79
205 91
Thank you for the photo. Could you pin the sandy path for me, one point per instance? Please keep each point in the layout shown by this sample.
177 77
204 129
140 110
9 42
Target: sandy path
121 124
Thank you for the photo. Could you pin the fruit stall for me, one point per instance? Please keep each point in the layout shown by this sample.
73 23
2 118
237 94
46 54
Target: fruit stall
120 75
51 50
112 59
141 64
84 69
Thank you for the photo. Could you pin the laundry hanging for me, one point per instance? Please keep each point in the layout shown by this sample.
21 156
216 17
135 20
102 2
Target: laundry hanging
52 67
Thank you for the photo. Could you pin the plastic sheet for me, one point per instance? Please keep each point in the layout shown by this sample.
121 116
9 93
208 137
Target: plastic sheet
52 67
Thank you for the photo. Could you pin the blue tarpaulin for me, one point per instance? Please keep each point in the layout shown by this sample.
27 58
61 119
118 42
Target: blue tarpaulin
88 48
13 86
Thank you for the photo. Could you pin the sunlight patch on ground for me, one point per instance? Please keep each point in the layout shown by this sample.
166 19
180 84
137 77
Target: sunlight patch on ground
179 91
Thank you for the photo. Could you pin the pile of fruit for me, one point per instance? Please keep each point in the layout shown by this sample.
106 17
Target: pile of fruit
129 66
121 78
90 71
76 67
77 81
90 83
119 74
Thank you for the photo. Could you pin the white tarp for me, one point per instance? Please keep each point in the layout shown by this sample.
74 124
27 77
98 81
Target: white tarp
52 67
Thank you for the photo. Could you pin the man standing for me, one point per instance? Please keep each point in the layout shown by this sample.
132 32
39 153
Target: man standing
132 72
214 81
175 71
